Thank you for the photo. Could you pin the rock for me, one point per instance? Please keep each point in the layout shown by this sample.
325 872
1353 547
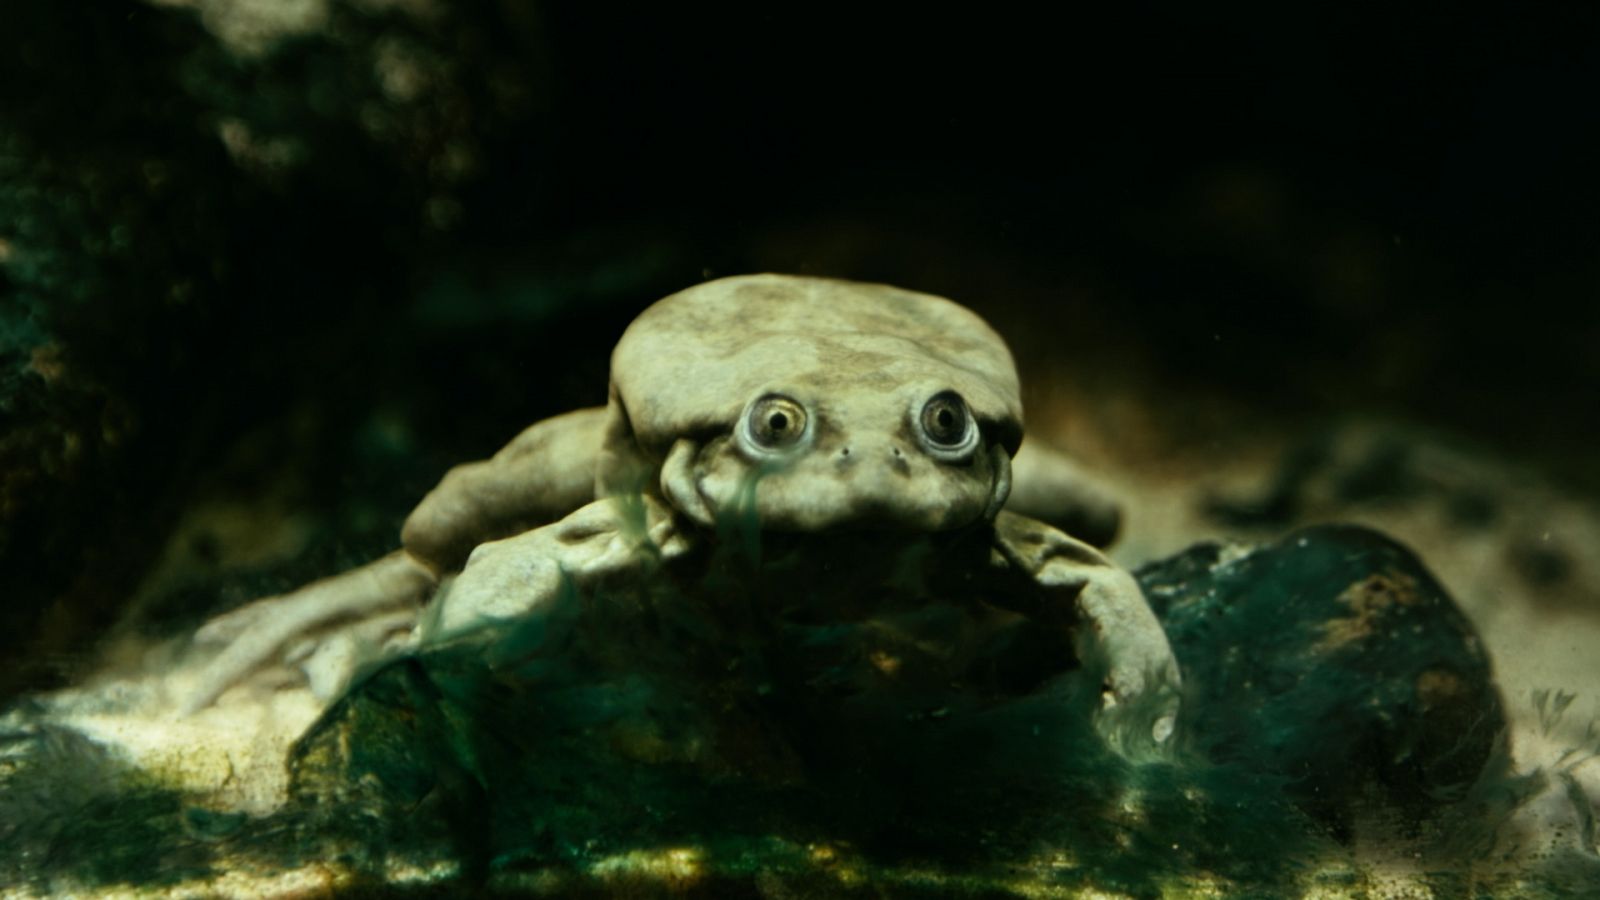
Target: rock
1334 659
682 738
1369 466
1328 674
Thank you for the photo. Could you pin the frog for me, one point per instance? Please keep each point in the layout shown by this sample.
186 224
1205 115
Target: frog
829 412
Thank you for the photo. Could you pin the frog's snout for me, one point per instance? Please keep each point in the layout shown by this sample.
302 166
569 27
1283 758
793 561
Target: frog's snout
856 462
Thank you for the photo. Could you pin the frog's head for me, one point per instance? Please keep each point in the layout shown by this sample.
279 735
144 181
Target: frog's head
817 404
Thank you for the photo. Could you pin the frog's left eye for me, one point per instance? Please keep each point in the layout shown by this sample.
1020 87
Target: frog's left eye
774 424
946 427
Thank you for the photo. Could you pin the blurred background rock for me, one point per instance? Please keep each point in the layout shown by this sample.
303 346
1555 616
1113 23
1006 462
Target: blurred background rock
268 268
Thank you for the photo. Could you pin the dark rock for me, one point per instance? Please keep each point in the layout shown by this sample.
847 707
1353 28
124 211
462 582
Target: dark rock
1355 466
1540 563
1333 658
1279 499
1386 471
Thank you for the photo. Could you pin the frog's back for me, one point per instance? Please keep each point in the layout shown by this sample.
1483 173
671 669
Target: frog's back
693 360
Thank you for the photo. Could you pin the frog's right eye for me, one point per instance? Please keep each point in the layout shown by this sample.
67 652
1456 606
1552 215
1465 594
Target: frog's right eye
774 424
946 428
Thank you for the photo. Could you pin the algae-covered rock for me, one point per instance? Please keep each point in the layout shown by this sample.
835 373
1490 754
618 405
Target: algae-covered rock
943 739
1333 658
687 737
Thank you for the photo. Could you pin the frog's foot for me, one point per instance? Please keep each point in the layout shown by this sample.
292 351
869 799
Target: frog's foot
1133 646
1142 681
325 629
1116 627
616 537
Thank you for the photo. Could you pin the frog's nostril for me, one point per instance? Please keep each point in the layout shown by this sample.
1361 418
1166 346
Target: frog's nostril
898 462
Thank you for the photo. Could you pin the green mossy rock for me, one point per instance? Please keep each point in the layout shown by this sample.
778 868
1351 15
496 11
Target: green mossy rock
1328 675
681 738
1331 657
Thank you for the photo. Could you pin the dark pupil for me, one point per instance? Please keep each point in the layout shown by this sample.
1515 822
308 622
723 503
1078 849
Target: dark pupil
945 418
777 421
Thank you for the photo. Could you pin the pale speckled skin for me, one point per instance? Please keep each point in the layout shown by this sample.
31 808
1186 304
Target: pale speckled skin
643 481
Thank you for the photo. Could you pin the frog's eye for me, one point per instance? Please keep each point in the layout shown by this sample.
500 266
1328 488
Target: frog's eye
946 427
774 423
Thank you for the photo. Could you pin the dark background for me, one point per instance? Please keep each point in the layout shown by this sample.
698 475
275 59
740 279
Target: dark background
321 267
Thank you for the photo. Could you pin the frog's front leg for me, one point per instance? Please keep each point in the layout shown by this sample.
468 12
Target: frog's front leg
616 537
330 627
545 473
1078 584
1052 487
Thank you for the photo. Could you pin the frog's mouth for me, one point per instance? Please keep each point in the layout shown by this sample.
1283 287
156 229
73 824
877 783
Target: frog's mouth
829 506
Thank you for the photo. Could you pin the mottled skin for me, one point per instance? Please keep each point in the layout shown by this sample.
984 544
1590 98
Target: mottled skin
846 407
